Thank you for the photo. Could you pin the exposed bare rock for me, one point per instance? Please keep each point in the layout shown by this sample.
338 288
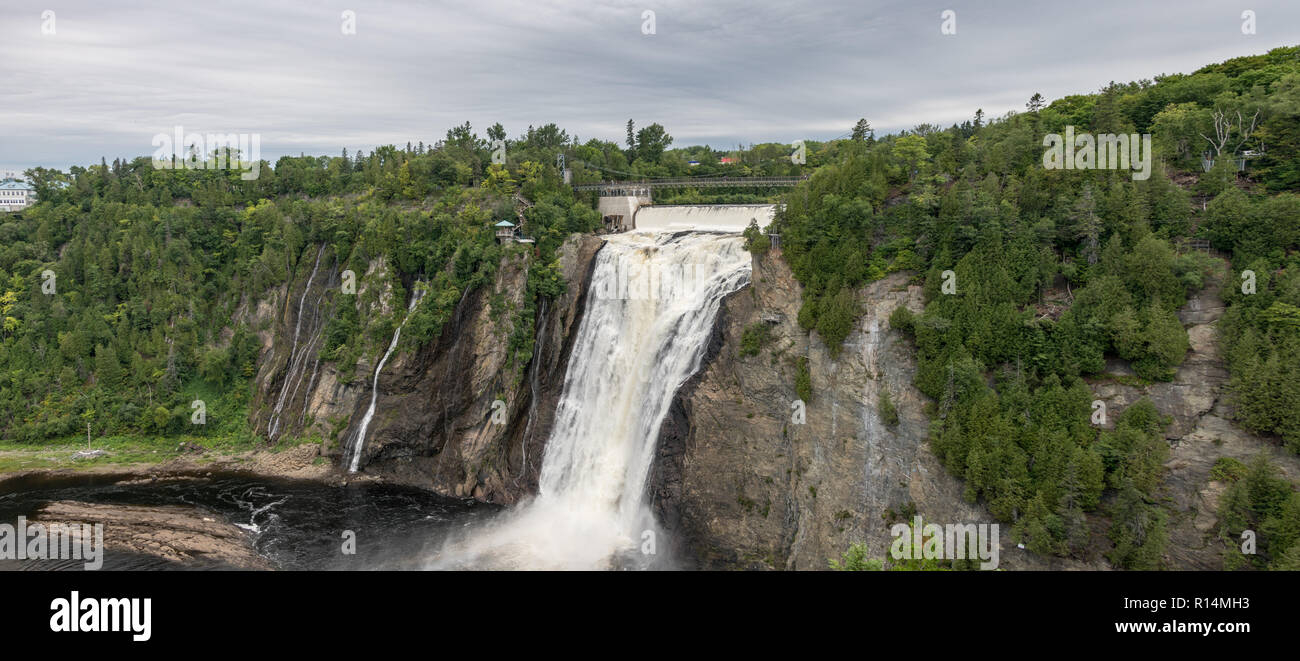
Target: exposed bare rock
1205 307
186 535
1200 433
290 323
1197 384
299 462
433 425
742 486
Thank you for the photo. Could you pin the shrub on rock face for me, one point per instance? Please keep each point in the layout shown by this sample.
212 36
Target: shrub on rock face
755 241
857 559
1227 469
752 340
838 316
803 381
906 260
885 407
903 320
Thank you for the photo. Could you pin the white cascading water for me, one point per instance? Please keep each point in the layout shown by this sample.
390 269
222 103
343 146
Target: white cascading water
533 389
359 441
703 217
296 357
873 427
647 322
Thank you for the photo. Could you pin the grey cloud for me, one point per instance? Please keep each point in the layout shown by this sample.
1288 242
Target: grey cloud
723 73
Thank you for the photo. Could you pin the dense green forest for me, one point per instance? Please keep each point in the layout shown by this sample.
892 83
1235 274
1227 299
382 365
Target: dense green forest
1034 277
151 265
149 268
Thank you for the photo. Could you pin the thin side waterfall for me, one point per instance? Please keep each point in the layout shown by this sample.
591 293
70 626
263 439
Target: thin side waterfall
296 357
312 349
873 427
536 368
359 441
648 317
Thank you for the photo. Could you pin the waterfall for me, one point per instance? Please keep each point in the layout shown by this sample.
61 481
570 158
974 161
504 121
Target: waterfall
535 368
316 346
651 309
359 441
296 358
313 349
703 217
873 427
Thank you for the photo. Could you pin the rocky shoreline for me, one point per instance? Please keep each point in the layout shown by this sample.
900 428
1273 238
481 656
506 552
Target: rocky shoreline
185 535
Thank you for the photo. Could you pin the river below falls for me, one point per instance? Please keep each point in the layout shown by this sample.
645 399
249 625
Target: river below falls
293 524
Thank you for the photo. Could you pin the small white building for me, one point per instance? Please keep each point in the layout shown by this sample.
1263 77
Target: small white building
15 195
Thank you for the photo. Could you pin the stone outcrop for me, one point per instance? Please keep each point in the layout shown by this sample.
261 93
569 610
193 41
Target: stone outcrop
293 383
740 484
1200 432
433 425
181 534
1196 386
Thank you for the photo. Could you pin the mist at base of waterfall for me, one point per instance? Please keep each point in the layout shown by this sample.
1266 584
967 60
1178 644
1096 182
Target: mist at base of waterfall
553 534
637 343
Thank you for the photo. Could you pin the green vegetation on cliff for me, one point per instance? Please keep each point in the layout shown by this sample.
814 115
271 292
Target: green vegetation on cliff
1260 501
123 292
1033 277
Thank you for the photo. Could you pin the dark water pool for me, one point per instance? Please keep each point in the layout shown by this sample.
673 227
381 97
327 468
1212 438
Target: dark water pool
294 524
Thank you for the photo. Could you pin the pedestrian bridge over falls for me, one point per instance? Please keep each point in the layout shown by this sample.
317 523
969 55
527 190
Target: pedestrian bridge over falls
626 188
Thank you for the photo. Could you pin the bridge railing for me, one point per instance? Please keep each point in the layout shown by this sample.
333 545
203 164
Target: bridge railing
691 182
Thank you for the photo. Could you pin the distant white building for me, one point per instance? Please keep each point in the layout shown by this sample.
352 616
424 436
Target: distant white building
15 195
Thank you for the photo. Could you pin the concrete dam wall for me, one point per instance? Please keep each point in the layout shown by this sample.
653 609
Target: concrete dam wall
618 211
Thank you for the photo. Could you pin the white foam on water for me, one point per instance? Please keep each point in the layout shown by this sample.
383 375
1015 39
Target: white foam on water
630 355
703 217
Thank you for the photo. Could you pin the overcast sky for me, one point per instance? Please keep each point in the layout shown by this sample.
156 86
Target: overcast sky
114 74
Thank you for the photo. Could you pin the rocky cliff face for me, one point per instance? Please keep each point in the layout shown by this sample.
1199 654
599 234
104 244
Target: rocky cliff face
290 323
1201 431
741 483
739 480
433 426
436 427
